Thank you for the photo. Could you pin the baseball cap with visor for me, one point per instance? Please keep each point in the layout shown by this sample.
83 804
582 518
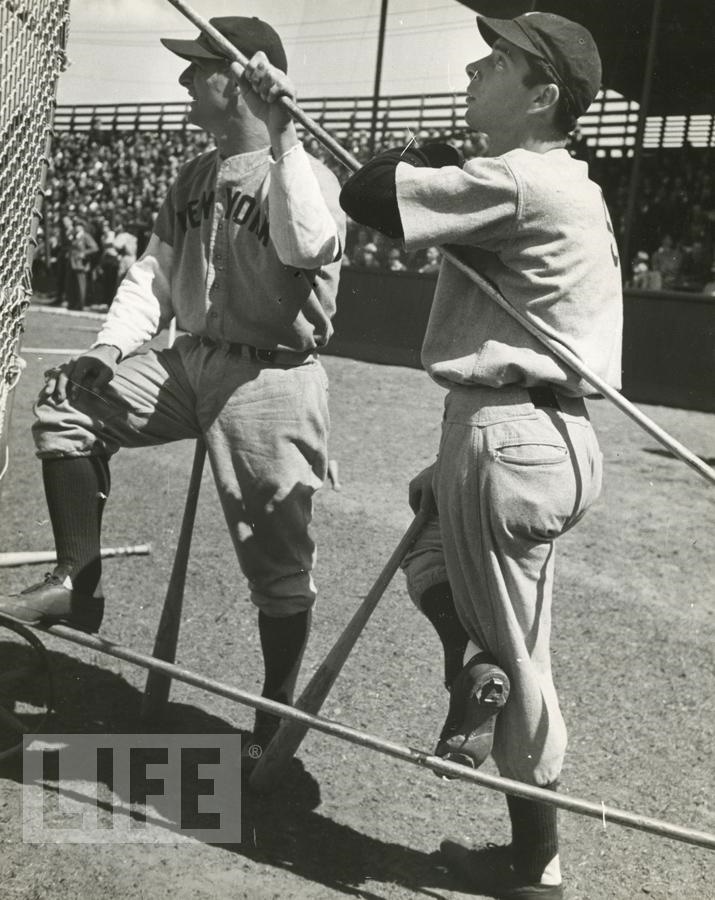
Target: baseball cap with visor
247 34
566 50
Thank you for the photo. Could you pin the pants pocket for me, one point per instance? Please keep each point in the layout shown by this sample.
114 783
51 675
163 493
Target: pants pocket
536 454
540 481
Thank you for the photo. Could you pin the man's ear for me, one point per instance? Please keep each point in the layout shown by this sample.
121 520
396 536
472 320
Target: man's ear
545 98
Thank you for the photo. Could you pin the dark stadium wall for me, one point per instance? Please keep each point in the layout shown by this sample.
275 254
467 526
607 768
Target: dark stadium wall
668 349
668 356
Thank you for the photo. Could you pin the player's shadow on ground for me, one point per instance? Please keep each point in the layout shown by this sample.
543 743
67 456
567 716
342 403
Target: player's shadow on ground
281 829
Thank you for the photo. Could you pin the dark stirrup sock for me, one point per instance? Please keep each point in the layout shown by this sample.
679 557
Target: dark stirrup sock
534 832
437 604
76 489
283 642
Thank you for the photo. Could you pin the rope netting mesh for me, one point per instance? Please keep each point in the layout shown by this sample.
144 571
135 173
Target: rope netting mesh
32 41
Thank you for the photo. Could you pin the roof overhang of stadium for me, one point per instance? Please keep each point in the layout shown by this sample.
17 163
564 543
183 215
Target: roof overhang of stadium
682 78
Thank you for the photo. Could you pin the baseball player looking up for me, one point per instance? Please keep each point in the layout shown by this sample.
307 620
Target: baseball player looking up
518 461
245 255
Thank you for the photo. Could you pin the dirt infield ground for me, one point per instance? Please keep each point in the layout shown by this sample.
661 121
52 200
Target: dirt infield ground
633 657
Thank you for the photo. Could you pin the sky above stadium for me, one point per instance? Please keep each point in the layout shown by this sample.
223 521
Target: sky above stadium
115 54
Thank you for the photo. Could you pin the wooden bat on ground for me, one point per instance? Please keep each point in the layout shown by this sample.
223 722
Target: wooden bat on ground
29 557
291 732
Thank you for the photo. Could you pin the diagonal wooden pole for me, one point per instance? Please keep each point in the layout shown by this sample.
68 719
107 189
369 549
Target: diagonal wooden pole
559 350
290 734
231 52
571 360
419 758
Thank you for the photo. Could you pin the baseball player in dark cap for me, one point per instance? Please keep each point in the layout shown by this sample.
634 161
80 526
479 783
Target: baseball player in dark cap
518 461
245 255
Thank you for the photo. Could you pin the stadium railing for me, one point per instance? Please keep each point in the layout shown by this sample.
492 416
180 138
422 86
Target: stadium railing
609 125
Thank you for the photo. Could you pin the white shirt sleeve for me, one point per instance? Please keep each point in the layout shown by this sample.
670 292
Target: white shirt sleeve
142 305
474 205
303 230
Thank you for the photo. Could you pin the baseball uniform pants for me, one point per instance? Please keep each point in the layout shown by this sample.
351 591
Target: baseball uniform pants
509 479
265 428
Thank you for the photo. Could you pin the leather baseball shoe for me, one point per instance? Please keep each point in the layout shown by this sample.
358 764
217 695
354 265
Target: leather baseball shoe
477 696
55 602
488 871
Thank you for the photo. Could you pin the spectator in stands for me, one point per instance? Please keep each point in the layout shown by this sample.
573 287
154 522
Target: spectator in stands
579 147
97 131
475 144
105 276
366 257
126 246
667 260
643 278
53 255
40 266
433 260
64 232
394 260
126 174
694 271
141 225
82 248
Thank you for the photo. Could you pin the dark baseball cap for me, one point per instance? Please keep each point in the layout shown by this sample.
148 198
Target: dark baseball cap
249 35
567 48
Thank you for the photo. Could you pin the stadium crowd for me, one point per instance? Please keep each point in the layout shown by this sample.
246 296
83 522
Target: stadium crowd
105 187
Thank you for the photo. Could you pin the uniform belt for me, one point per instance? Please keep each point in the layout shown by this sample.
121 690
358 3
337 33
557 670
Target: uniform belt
542 396
270 357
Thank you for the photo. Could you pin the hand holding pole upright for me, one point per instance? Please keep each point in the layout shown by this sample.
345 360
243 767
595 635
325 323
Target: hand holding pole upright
296 112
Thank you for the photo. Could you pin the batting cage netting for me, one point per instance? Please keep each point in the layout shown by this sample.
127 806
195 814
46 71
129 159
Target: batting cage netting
32 41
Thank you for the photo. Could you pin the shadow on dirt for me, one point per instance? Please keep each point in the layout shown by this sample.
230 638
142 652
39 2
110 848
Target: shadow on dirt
281 829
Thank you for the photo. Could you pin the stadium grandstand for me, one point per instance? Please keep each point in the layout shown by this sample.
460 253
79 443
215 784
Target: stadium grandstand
111 164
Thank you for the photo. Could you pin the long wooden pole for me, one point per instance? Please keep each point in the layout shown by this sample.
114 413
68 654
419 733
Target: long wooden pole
389 748
571 360
378 74
559 350
325 138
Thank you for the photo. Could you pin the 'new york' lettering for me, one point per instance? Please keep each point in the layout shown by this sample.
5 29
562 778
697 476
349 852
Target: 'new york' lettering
241 209
196 210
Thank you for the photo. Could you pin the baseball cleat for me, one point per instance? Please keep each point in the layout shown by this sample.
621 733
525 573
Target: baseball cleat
489 871
55 602
477 696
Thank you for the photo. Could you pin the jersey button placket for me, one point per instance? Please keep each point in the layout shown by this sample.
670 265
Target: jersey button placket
214 298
